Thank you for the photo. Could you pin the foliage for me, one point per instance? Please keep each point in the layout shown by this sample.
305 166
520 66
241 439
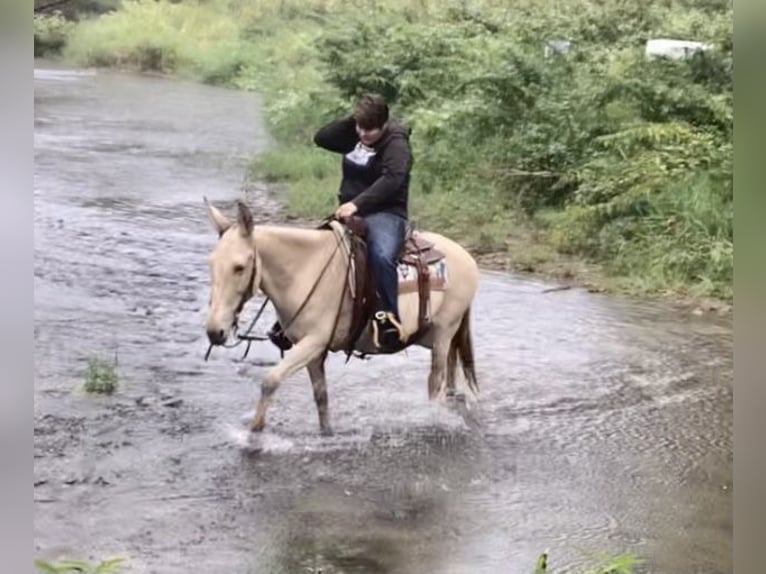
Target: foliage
75 9
109 566
614 157
605 564
620 564
100 377
51 32
159 36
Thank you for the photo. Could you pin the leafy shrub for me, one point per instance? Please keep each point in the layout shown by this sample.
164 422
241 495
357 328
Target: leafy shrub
595 144
51 33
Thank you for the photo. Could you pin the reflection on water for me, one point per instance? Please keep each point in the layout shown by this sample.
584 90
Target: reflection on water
603 424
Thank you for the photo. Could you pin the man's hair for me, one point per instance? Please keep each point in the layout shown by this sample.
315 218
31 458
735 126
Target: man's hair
371 111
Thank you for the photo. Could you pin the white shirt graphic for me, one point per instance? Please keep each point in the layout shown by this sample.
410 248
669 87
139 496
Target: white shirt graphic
361 154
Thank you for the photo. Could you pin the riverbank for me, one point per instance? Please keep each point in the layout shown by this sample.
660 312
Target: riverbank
527 255
595 166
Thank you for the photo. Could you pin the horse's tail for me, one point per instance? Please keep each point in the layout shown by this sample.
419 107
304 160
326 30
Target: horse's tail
461 347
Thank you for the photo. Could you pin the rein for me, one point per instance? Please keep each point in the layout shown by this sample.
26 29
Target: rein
316 284
250 338
246 337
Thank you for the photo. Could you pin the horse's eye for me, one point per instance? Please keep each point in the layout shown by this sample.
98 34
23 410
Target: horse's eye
239 268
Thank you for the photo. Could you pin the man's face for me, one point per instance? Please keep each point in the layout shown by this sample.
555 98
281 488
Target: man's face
369 136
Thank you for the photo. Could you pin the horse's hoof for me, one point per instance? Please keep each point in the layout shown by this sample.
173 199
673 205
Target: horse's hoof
326 431
254 443
257 426
247 418
245 440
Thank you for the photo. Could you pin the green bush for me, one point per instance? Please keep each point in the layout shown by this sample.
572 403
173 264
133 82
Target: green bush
598 146
51 33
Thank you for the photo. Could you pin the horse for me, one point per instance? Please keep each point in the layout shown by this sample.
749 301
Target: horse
306 274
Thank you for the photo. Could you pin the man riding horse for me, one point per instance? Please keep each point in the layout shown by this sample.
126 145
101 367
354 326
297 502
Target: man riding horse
376 166
316 277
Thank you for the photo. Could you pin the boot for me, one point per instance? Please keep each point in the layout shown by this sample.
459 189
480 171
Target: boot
277 337
387 332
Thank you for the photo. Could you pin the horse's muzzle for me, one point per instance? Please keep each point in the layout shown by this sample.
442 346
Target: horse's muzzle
216 336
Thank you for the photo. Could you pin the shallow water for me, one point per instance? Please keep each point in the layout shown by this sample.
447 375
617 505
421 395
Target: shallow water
603 424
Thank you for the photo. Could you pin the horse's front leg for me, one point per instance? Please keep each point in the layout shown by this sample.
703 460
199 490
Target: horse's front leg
305 351
319 384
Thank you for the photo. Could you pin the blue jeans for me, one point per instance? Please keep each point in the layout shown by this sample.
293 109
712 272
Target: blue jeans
385 236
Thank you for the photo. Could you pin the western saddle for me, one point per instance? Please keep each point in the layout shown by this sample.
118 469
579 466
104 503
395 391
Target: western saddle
416 251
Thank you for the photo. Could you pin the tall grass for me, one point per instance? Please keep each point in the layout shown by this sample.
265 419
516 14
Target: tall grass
598 153
188 38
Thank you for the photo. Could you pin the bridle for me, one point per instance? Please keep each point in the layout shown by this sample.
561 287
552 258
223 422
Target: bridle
248 294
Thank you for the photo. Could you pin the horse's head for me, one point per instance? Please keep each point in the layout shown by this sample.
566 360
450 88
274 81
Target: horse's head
233 271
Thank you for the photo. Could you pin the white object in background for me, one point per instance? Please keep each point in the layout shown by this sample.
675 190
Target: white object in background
675 49
556 47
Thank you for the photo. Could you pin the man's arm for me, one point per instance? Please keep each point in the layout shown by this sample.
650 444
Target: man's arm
338 136
396 165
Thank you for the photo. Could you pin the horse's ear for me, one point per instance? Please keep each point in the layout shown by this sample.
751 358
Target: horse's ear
218 219
244 219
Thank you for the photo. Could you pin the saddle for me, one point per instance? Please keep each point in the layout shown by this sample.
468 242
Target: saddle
416 252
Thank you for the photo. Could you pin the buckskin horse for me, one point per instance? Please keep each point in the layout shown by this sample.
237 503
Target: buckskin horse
317 283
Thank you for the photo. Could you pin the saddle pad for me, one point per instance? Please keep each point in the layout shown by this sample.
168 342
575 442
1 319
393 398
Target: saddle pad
408 277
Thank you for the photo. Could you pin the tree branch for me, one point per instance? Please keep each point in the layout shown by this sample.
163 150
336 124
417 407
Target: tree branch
50 5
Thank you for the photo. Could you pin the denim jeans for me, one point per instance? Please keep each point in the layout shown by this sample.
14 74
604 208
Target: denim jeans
385 236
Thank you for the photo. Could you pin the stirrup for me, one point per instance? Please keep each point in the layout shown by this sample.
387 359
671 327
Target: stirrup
381 317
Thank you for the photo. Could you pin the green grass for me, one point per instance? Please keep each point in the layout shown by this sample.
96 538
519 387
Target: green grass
187 38
311 199
100 377
109 566
308 176
604 564
294 163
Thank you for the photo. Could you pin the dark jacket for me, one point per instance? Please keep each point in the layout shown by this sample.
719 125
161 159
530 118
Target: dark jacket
374 179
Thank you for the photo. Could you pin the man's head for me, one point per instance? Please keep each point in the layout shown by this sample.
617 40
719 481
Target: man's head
371 115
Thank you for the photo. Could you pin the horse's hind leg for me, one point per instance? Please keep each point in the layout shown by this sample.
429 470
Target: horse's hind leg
319 383
451 367
305 351
439 351
443 359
